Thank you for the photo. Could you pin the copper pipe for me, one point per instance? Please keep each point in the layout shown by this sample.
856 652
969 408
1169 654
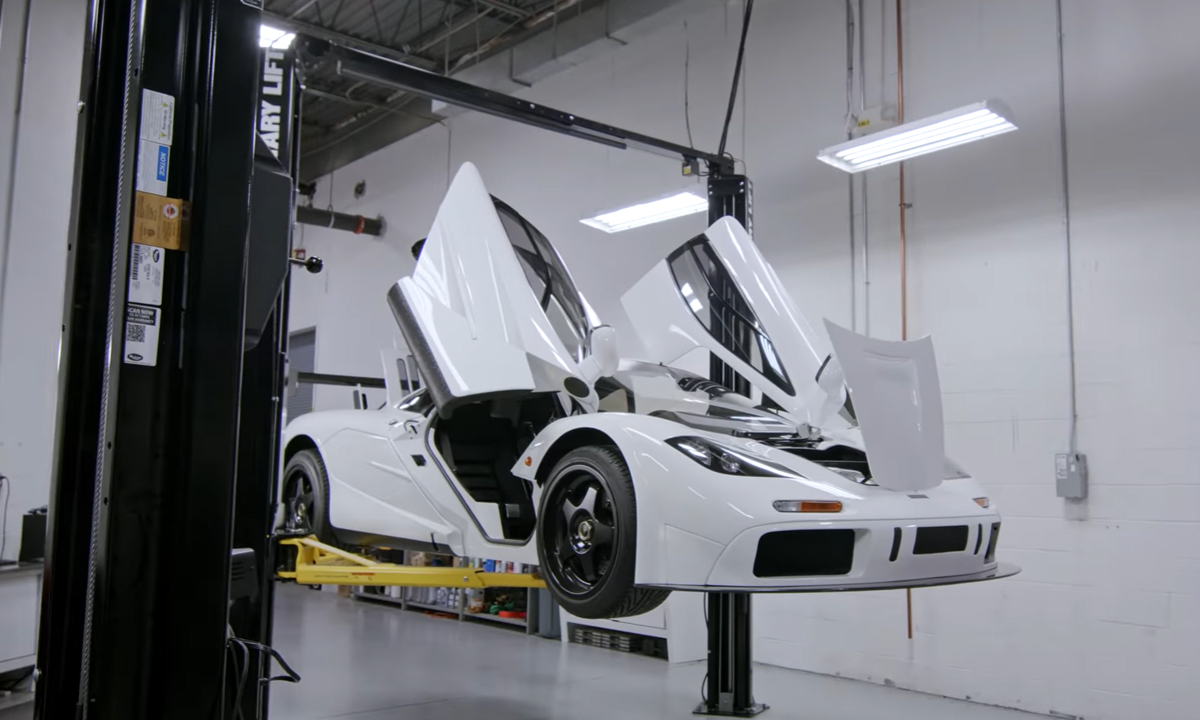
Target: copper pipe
903 231
903 200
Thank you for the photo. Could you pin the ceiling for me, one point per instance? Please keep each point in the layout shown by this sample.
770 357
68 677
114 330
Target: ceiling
343 119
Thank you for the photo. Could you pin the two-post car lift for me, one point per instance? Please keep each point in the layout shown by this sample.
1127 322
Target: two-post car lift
729 684
174 454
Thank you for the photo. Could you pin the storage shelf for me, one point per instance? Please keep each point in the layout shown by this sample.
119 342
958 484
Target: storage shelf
529 624
520 622
431 606
374 597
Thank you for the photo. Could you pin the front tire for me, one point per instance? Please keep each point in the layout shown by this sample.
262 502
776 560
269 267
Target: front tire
305 497
587 537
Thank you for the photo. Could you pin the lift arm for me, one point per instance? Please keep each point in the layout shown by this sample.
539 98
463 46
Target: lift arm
321 564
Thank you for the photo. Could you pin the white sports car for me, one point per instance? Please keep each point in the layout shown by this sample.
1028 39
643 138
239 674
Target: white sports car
533 442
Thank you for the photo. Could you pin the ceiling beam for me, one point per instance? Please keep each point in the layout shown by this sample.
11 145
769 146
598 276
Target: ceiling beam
505 7
313 30
433 37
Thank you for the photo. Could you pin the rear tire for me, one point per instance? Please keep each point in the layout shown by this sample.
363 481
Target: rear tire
587 537
305 497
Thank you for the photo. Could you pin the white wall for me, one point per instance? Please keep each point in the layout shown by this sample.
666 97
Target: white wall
34 246
1104 621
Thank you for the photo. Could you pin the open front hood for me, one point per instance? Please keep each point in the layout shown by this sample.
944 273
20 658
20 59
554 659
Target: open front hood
898 403
717 292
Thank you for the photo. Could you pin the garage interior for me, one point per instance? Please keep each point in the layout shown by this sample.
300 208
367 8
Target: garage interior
152 560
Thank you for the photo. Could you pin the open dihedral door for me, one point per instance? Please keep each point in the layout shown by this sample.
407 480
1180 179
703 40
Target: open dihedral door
717 292
469 313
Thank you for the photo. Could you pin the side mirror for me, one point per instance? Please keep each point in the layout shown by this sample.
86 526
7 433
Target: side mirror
604 351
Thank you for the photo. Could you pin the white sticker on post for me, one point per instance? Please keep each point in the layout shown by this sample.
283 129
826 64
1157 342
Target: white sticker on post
158 117
141 335
146 274
153 162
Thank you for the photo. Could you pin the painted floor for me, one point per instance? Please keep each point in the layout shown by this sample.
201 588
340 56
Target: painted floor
371 662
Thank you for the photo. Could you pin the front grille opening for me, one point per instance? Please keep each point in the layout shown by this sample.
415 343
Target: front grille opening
978 539
802 553
946 539
897 536
991 551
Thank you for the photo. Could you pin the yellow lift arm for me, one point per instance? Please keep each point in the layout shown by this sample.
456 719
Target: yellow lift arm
321 564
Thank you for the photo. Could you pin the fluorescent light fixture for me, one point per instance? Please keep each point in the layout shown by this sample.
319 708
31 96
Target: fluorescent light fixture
956 127
274 37
647 213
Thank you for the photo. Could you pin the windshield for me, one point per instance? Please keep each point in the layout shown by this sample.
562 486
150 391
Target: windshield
549 279
674 394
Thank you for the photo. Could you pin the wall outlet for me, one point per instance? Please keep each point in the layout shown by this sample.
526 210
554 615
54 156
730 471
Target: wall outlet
1070 475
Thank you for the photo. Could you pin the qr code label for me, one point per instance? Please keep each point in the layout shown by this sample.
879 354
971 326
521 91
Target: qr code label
141 335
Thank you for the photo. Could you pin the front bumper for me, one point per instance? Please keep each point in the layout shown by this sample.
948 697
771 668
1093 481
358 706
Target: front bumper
856 554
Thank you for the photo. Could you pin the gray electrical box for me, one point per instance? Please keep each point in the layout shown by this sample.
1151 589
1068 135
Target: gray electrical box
1070 475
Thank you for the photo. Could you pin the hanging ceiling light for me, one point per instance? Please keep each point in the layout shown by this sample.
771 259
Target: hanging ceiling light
646 213
274 37
956 127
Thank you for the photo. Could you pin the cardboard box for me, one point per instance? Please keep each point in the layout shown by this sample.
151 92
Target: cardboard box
160 221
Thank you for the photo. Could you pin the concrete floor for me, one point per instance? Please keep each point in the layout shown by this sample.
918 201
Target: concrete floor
370 662
362 661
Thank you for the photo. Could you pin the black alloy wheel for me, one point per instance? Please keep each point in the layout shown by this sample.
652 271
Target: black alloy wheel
584 531
305 497
587 536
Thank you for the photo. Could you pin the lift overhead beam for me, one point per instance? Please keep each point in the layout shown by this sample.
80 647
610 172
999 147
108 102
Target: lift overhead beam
358 65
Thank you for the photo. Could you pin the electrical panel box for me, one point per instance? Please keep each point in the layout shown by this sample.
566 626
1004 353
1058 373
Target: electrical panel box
1070 475
872 120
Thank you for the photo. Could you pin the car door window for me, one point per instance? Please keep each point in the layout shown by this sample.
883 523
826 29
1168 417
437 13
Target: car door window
715 300
548 278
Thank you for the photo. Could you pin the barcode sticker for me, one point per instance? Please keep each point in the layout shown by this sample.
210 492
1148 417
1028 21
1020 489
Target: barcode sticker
141 335
145 274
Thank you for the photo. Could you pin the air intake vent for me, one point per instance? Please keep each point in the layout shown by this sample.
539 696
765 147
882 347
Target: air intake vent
991 551
947 539
804 553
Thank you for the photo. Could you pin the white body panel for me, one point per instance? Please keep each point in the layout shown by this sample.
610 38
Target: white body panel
469 312
377 492
898 402
480 332
698 528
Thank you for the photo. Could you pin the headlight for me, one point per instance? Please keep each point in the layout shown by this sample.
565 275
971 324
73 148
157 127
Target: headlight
727 460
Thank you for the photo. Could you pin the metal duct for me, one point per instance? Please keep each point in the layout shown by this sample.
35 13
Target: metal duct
357 224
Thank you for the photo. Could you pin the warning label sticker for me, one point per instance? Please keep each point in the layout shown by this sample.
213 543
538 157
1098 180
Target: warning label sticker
145 274
141 335
158 117
154 160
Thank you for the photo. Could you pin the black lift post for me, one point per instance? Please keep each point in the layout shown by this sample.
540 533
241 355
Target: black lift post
729 194
728 688
166 445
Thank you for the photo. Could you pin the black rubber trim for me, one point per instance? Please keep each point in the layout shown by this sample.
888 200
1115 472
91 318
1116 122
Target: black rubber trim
897 536
435 381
